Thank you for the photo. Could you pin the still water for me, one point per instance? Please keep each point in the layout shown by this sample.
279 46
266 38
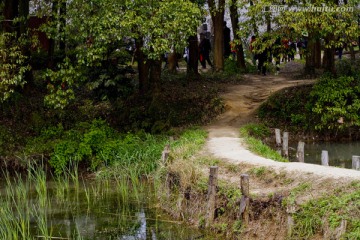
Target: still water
340 153
89 211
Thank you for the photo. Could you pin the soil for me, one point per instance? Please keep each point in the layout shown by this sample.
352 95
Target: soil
224 143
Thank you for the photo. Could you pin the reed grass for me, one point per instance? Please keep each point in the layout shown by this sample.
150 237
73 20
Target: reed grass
28 200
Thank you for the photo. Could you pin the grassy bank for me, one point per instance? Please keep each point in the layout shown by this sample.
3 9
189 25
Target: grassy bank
253 135
317 208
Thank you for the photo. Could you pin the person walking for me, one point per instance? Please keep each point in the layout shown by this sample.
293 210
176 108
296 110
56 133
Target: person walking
227 39
204 50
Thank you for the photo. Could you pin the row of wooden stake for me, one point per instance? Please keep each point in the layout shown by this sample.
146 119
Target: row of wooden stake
300 155
211 197
213 183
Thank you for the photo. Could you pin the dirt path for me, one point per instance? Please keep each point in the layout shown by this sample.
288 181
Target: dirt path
242 101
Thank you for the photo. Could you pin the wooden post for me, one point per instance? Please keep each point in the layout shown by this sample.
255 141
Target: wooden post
290 210
300 152
324 158
211 195
286 144
277 137
165 154
356 163
245 199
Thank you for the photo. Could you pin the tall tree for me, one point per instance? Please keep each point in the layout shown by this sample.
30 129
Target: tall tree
10 11
333 26
217 10
97 29
193 60
234 15
24 9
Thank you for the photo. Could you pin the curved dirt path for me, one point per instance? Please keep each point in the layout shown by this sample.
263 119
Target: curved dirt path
242 101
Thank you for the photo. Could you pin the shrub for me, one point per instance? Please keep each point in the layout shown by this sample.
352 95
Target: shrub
95 144
336 102
346 67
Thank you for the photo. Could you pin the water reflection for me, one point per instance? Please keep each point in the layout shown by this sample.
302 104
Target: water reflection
340 153
82 213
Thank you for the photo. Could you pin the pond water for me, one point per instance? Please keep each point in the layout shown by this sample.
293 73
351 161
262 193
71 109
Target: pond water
100 211
340 153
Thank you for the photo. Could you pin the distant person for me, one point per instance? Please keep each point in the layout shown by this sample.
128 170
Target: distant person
204 50
276 50
262 59
227 39
340 48
301 46
251 47
285 49
292 50
340 52
233 47
186 55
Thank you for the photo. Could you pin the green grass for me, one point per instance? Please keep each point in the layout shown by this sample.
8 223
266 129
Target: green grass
256 145
329 211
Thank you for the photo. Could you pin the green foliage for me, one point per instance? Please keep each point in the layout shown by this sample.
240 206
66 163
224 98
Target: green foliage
95 144
13 64
336 102
61 83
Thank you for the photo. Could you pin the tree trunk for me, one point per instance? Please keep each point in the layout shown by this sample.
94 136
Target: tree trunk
329 57
310 56
352 52
143 68
234 15
329 64
217 17
317 53
172 62
155 75
10 12
24 13
193 59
